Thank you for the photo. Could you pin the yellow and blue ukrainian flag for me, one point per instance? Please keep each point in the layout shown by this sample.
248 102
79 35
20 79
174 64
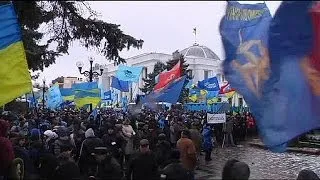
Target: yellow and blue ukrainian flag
14 74
85 97
67 94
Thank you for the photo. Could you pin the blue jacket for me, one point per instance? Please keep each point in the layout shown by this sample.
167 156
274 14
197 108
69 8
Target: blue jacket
207 134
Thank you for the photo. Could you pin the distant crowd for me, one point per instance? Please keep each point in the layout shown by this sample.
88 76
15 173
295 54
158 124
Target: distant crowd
112 144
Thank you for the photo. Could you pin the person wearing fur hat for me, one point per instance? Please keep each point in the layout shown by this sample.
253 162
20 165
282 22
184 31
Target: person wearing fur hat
49 138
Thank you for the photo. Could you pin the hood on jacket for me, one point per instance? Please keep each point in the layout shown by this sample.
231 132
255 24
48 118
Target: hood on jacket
50 134
89 133
4 126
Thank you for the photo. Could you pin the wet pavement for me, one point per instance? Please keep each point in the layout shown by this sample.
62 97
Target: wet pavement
263 163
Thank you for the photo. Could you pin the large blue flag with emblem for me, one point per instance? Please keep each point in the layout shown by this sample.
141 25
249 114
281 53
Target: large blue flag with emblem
54 97
244 32
210 84
127 73
267 61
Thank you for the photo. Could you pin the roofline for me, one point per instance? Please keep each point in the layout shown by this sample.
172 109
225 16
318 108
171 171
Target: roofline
144 54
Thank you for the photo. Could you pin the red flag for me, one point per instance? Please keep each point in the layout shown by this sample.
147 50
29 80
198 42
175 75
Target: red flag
226 89
169 76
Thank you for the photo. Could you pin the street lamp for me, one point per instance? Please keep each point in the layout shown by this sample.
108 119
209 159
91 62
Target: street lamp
91 73
43 91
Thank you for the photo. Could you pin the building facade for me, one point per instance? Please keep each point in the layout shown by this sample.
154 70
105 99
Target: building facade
203 63
66 82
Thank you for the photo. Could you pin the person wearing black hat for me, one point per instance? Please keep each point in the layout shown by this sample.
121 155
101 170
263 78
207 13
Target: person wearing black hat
143 165
113 143
107 165
163 150
174 170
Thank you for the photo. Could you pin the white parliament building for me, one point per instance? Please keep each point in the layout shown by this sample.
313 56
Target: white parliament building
203 63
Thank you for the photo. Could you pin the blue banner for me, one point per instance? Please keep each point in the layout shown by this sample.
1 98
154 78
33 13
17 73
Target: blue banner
85 86
210 84
127 73
54 97
119 84
212 94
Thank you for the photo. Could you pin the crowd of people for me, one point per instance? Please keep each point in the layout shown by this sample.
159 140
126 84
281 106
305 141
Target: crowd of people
113 144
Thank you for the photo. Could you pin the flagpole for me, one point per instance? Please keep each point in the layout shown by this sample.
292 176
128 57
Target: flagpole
35 105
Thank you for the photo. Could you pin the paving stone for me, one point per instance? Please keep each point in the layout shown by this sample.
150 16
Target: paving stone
263 164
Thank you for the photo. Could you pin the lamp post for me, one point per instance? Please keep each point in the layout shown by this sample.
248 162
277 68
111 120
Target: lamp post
43 91
91 73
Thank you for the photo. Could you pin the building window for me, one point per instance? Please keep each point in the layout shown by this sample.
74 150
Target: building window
241 102
206 74
218 77
223 78
190 73
230 101
145 72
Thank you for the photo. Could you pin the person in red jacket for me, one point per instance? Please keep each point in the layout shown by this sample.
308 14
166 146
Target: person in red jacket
6 150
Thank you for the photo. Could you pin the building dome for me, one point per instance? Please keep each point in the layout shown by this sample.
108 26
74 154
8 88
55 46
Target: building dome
197 51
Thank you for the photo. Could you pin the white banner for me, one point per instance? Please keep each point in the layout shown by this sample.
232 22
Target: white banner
216 118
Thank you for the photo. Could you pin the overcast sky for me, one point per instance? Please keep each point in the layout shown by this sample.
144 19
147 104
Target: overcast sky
164 27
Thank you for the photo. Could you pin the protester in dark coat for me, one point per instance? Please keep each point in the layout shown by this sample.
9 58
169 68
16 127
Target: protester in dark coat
143 165
163 150
108 167
63 142
174 170
47 166
67 169
6 150
113 143
87 160
21 152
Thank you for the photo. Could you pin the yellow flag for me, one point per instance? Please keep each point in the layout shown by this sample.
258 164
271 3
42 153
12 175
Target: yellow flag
14 74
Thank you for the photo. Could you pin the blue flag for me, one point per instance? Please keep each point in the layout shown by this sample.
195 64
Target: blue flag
212 94
85 86
119 84
210 84
54 97
245 40
169 94
127 73
267 62
107 95
290 102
